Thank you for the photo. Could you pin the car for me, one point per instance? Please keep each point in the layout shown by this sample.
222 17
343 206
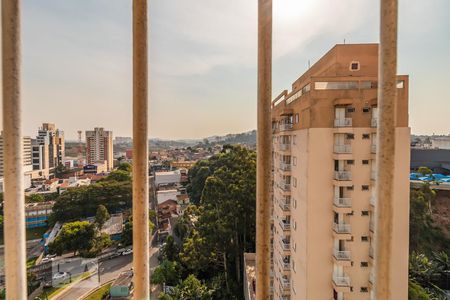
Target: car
48 257
127 251
60 278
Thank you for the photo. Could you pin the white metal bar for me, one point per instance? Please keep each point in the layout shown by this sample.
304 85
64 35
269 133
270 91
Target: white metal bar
14 207
387 95
140 153
264 150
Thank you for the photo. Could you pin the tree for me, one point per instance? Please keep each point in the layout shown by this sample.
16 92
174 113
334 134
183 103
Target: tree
124 167
127 233
101 216
75 236
166 273
426 273
118 175
195 254
33 198
192 288
170 250
425 171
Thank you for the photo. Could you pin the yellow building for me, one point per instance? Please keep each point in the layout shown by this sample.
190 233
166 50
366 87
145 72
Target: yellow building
324 145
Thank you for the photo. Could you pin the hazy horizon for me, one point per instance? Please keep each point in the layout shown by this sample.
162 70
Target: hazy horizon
77 61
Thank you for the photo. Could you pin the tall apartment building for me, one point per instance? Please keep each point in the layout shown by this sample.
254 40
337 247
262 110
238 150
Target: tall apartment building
54 138
324 145
27 163
99 147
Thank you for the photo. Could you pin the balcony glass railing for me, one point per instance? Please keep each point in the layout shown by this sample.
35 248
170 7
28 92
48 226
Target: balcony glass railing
371 278
286 284
345 122
342 228
373 200
341 280
285 225
373 175
285 147
286 126
285 166
372 225
285 205
343 149
285 186
341 255
371 252
342 202
342 175
286 265
285 245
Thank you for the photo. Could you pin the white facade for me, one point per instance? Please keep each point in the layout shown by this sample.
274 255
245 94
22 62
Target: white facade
26 154
169 177
440 142
165 195
99 147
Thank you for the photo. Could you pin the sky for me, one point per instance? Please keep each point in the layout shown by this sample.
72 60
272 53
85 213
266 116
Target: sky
202 60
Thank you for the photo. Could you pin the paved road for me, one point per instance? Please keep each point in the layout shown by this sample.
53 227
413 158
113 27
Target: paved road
109 270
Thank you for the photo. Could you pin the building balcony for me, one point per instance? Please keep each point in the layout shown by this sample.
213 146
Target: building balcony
345 122
371 278
285 186
342 149
342 202
285 225
372 225
285 166
285 265
285 245
341 255
373 200
285 205
342 175
285 284
286 126
374 122
371 252
373 148
342 228
285 147
341 280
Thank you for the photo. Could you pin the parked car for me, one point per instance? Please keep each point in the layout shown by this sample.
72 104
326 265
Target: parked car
127 251
48 257
60 278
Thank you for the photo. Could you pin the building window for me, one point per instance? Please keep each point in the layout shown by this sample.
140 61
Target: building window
364 289
294 139
365 187
364 238
350 109
297 118
366 136
350 136
294 160
336 85
350 188
354 66
294 182
364 213
400 84
365 162
350 162
366 109
295 203
364 264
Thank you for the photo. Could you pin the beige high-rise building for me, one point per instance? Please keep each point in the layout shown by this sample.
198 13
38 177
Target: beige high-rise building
324 145
27 164
99 147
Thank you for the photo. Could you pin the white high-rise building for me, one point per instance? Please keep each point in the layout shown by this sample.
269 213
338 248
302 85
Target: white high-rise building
99 147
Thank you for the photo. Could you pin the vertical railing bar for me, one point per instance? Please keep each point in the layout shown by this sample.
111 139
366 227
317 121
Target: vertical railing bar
140 153
387 95
14 206
264 150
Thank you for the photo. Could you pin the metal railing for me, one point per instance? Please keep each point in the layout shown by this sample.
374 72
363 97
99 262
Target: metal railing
285 166
342 175
285 147
341 280
343 149
342 202
342 228
345 122
285 186
285 225
285 205
286 126
341 255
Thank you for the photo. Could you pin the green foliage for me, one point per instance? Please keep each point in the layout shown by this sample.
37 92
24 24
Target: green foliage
101 216
425 171
33 198
119 175
124 167
428 273
424 236
170 250
191 288
416 292
76 236
168 272
127 233
81 202
196 254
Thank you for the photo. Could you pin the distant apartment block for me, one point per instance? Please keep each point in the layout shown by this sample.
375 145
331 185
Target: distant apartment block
27 163
99 147
36 214
324 175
